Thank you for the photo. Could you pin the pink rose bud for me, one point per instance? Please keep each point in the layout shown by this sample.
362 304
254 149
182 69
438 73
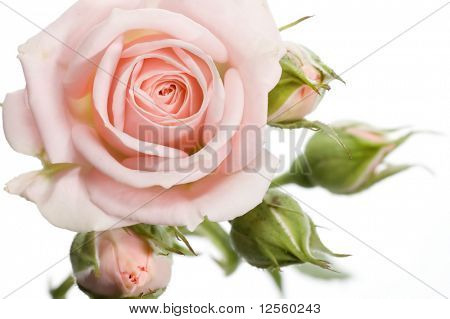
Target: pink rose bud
302 85
119 264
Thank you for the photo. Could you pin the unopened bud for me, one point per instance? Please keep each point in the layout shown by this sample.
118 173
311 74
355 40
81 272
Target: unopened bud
118 264
302 85
345 170
278 233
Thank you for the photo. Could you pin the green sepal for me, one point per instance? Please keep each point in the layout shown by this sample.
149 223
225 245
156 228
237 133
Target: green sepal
284 89
61 291
402 139
293 24
315 126
291 68
277 278
229 260
326 71
181 237
318 245
389 171
51 170
319 273
162 239
151 295
83 255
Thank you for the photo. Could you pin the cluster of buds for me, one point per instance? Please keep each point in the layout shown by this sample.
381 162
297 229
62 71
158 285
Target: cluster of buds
350 169
135 262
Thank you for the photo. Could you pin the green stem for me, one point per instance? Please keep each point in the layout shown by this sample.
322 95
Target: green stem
220 238
287 178
299 174
61 291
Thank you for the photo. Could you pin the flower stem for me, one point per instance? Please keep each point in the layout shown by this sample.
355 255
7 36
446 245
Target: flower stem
287 178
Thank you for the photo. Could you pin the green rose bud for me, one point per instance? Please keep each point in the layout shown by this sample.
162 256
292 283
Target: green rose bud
302 85
348 170
278 233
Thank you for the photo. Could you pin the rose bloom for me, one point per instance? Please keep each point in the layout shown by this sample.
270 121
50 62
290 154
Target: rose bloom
111 87
127 267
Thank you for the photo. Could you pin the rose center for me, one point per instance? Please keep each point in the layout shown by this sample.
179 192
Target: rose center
167 90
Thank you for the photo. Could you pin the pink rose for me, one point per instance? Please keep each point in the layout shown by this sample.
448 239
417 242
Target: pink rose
124 90
127 267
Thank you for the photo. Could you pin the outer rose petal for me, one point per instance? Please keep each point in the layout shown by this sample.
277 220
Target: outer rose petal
107 280
305 101
64 201
121 21
254 45
167 22
218 197
246 27
160 268
43 58
20 126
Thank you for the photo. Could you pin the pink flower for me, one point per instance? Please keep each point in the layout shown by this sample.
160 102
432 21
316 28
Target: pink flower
136 94
127 267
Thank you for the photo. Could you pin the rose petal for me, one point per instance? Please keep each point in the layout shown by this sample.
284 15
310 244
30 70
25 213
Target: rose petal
63 201
159 21
20 126
107 281
160 269
43 58
218 197
175 25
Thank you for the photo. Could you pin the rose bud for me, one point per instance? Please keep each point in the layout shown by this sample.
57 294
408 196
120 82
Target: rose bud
347 170
278 233
302 85
118 264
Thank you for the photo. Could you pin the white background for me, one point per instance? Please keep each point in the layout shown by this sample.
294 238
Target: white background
406 218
